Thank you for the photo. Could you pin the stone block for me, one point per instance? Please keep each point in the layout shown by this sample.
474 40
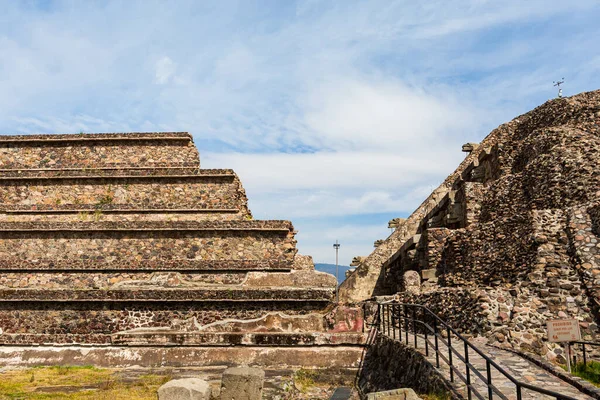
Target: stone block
429 274
412 282
396 394
242 383
185 389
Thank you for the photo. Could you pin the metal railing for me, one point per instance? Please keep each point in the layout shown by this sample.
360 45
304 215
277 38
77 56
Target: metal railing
585 353
396 320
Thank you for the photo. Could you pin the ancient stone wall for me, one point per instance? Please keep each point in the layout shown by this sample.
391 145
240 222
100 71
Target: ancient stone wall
521 229
385 367
122 240
162 193
67 247
149 150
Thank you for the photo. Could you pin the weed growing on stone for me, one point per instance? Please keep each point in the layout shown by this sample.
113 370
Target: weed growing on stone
304 378
437 396
104 200
589 372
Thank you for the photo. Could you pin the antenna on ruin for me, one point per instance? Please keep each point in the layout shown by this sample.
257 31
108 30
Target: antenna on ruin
557 84
336 246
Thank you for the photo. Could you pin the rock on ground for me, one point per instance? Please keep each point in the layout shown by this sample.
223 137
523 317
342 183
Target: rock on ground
242 383
185 389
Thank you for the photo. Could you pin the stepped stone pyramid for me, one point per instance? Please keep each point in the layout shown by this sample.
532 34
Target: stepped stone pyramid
122 241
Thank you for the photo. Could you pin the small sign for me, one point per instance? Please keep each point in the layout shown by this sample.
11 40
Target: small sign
563 330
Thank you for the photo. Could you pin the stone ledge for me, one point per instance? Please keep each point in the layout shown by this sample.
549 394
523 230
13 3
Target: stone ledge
146 265
162 295
87 137
174 356
170 338
149 226
120 173
108 209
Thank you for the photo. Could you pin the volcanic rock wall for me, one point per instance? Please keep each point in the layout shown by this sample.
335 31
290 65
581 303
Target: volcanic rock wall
511 238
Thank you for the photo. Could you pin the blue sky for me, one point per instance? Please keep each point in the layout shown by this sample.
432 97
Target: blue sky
338 115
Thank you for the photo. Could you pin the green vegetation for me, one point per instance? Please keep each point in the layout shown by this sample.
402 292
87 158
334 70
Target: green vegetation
589 372
76 383
104 200
304 378
437 396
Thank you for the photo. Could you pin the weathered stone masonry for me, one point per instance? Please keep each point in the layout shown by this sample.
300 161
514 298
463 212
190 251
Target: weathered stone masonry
511 238
122 240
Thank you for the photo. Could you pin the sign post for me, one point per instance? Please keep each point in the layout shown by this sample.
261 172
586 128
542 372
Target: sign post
564 331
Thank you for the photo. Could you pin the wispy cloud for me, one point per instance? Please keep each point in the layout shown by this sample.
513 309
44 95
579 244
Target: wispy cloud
325 109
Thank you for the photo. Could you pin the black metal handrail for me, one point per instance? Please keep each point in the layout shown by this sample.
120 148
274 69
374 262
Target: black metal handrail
583 344
403 317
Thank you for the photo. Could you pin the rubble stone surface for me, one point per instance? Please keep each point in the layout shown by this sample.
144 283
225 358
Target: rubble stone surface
513 234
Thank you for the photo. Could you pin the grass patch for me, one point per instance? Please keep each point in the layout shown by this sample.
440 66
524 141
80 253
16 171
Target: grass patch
437 396
76 383
589 372
304 378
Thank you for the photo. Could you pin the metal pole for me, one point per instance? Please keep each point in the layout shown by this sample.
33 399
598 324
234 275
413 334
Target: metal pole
337 248
437 347
450 355
468 370
489 379
568 351
414 324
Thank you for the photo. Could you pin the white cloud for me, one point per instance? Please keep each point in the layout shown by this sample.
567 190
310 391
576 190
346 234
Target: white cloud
165 68
323 108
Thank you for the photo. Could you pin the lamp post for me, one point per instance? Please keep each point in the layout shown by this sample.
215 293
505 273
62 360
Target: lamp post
336 246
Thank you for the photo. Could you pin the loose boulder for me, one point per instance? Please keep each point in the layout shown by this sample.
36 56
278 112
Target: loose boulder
185 389
242 383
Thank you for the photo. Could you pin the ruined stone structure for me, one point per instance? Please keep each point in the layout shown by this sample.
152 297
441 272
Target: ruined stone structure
120 245
511 238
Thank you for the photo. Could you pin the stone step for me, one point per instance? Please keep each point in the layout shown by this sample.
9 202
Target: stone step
165 279
101 193
328 357
161 295
65 322
156 337
98 150
10 176
181 265
134 245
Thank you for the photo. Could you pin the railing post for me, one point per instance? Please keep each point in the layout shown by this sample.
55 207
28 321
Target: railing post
468 370
387 312
397 311
437 347
414 319
488 368
379 318
450 355
394 319
426 343
584 357
390 327
405 326
519 396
